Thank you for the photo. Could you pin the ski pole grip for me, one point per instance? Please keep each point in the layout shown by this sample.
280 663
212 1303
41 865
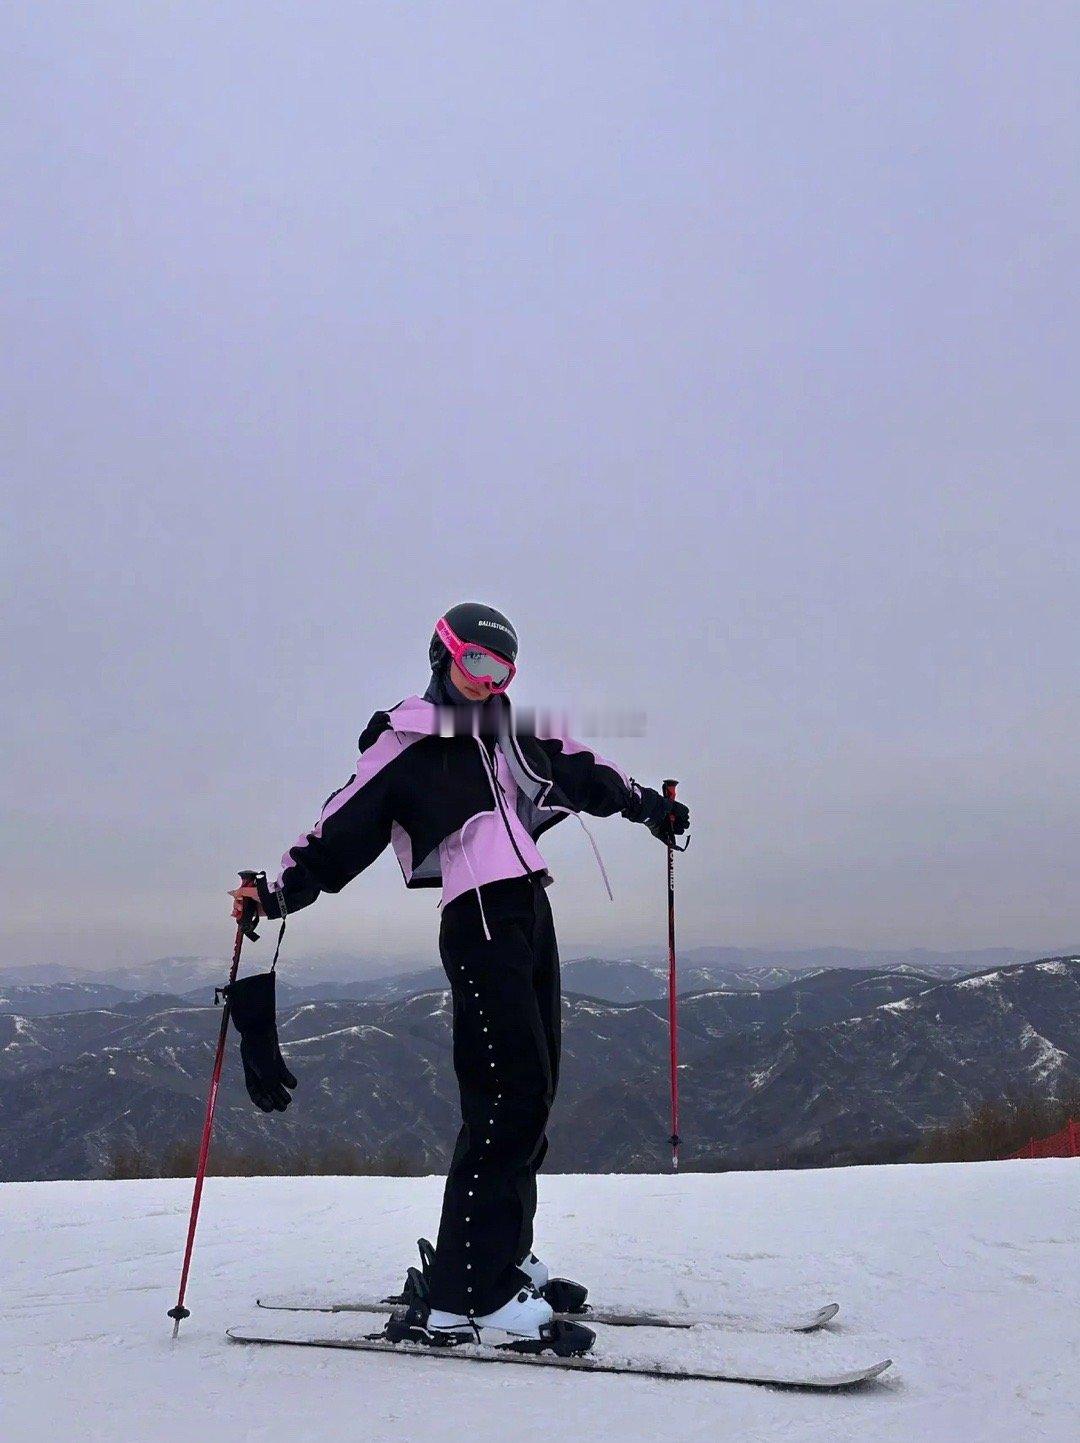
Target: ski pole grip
669 785
251 911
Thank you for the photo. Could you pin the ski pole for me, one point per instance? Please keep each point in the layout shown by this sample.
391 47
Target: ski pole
245 927
673 1011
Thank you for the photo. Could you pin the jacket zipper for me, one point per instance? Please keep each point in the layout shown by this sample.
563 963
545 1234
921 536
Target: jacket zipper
500 802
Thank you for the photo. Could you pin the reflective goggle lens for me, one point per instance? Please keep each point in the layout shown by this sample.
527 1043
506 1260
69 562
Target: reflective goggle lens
482 666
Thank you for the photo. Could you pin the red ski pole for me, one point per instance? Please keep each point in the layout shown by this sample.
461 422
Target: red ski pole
673 1011
244 928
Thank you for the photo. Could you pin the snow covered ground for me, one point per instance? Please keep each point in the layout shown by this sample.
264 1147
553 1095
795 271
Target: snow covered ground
966 1275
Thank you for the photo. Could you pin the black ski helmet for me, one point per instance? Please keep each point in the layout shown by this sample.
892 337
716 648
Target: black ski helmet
472 621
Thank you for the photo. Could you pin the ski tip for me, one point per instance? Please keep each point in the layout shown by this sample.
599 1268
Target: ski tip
864 1375
830 1382
816 1320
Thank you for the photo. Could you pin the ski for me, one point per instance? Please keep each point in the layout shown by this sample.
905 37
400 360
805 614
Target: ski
795 1377
612 1317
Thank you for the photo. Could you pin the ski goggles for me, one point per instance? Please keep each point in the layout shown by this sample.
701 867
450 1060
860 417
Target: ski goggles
476 661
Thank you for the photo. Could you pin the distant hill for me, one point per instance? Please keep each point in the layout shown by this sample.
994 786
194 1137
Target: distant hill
41 1001
801 959
628 981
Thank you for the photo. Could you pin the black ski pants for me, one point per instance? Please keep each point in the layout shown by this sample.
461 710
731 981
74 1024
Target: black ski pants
506 1056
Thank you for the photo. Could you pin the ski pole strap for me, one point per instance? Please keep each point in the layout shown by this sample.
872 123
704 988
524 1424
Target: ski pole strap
280 895
277 949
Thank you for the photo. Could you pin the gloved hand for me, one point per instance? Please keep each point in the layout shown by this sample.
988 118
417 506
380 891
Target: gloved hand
665 817
253 1010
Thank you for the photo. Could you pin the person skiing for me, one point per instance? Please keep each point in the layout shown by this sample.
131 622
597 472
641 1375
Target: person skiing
462 792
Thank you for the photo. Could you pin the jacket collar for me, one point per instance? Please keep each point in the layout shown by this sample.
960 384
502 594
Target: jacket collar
419 717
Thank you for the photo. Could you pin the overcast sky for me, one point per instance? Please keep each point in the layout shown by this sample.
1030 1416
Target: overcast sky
728 348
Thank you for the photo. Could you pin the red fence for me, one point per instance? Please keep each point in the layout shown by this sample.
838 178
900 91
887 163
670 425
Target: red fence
1065 1143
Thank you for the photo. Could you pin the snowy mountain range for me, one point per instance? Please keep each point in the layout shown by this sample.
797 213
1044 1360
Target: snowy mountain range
40 990
833 1066
635 977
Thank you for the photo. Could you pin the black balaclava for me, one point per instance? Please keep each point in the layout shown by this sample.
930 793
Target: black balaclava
442 691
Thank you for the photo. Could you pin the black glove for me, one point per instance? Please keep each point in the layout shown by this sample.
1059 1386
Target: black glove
665 817
253 1010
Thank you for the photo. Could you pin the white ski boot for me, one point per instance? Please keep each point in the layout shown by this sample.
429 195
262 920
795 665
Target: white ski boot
525 1324
524 1316
563 1295
536 1271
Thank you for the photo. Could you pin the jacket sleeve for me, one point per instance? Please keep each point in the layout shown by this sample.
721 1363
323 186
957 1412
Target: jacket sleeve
352 830
589 782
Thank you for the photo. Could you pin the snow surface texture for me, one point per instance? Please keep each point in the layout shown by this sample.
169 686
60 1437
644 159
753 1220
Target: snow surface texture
966 1275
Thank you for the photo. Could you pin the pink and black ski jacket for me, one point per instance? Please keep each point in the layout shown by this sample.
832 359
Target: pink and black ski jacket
459 808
